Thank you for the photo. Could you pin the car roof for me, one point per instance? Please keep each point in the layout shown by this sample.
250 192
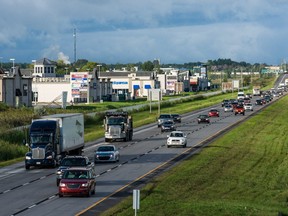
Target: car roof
79 168
107 146
176 132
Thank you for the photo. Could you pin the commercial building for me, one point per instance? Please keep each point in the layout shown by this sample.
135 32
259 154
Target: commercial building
15 88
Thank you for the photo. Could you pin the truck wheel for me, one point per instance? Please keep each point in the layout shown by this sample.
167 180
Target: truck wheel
106 140
57 182
27 167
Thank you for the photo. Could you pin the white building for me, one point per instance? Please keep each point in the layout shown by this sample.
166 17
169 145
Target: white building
44 68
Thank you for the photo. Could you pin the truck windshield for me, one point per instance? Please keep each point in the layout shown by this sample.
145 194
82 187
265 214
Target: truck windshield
116 120
40 139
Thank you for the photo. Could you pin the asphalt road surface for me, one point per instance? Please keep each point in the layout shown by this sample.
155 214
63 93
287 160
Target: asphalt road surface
34 191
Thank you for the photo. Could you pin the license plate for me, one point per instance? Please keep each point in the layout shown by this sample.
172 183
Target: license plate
38 163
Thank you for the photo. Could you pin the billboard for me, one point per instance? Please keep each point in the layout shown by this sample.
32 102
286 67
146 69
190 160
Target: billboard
193 80
79 84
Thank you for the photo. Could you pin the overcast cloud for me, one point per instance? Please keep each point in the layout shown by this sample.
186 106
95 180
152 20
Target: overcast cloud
130 31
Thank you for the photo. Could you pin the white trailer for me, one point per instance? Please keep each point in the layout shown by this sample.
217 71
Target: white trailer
53 137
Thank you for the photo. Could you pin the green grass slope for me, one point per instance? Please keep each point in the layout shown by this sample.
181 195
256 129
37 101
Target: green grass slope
245 172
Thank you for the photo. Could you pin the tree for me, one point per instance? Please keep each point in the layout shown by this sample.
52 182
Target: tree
147 66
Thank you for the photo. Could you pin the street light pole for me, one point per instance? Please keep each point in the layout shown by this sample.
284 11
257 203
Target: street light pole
100 84
13 67
1 62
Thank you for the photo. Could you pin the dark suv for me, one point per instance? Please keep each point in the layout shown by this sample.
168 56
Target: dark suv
72 161
164 117
176 117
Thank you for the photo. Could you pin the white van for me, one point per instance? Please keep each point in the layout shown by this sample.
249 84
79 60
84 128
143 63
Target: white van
240 95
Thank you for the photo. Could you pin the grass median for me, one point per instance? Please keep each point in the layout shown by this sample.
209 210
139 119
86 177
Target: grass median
242 173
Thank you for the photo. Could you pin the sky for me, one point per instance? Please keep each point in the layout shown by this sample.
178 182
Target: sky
132 31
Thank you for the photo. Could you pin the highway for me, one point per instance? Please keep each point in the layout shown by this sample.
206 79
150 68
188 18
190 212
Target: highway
34 191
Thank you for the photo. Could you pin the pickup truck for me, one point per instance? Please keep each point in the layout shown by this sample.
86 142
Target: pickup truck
72 161
239 109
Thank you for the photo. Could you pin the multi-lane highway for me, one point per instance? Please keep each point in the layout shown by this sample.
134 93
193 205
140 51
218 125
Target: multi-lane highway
34 191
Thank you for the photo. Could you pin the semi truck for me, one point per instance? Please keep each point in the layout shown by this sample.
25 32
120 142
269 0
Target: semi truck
118 126
53 137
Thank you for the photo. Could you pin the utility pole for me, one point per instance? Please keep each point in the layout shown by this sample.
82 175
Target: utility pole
74 35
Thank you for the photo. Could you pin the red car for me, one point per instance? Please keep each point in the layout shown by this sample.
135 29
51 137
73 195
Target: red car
78 181
213 113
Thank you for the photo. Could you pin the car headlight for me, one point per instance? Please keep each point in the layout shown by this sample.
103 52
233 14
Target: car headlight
84 185
59 172
28 158
62 184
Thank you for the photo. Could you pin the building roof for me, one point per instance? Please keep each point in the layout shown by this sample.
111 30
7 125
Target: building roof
45 61
126 74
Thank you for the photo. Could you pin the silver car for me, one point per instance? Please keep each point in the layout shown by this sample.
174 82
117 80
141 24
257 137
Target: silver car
248 106
228 108
106 153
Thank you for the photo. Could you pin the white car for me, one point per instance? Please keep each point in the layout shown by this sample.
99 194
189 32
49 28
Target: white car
176 138
106 153
228 108
248 106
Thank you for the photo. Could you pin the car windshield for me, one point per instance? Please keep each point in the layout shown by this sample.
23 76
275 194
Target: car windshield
75 174
168 123
164 116
203 116
73 162
213 111
105 148
176 135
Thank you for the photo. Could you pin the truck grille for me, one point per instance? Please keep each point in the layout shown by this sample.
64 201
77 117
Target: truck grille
114 130
38 153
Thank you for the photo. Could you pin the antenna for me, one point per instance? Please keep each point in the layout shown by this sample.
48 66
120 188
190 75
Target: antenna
74 35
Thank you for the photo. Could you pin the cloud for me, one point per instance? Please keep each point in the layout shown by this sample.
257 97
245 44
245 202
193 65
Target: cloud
131 31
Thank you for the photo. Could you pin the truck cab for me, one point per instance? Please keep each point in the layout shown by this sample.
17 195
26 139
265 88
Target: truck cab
118 126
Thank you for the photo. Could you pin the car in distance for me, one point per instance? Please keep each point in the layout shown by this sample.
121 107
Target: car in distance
176 117
228 108
164 117
168 126
72 161
106 153
213 113
203 119
258 102
176 138
248 106
224 102
239 109
77 181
